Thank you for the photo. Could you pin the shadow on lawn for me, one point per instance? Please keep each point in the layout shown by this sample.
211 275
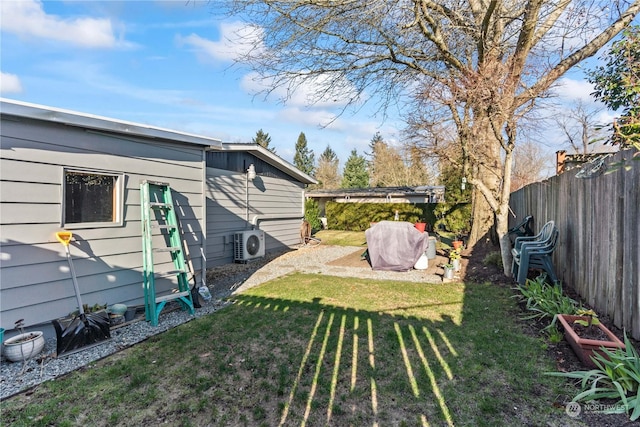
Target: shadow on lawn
300 350
395 366
348 372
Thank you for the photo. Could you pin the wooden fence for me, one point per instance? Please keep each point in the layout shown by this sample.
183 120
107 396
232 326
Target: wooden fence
598 252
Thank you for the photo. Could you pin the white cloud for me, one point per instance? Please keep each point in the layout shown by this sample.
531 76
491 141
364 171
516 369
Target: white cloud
316 92
9 83
27 18
236 40
574 90
311 118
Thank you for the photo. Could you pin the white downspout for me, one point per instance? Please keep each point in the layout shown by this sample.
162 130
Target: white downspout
250 175
246 200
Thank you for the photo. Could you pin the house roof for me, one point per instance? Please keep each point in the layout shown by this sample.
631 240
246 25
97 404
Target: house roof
15 108
378 191
263 154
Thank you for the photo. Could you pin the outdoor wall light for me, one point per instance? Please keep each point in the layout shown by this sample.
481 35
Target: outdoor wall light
251 172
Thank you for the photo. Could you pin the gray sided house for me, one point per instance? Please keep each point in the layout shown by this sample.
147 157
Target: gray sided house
53 161
273 201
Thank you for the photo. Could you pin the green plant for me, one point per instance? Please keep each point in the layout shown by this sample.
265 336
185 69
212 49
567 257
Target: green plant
554 334
617 375
89 309
545 301
590 314
454 218
448 266
312 214
493 258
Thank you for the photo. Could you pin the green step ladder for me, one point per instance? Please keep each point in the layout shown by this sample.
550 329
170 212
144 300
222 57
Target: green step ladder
160 222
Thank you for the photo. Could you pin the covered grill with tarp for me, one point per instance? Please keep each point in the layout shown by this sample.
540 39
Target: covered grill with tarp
395 245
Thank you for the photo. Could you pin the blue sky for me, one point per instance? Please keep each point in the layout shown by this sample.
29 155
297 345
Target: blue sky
167 64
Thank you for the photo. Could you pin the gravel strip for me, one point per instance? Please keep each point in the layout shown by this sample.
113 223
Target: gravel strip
223 282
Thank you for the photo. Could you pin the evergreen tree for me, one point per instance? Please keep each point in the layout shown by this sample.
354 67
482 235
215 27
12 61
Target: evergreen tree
355 172
263 139
327 171
304 159
375 143
329 155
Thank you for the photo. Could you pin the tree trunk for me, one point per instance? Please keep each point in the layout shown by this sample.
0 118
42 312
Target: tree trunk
502 229
482 219
489 171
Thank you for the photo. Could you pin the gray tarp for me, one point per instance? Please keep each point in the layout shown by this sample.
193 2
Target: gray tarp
395 245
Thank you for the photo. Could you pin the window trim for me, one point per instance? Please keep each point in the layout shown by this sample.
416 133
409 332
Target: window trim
118 202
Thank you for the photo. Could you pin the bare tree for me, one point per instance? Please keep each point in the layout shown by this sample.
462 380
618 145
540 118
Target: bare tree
420 169
483 62
391 166
580 128
528 165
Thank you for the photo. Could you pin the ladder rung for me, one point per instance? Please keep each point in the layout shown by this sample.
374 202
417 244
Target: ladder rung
171 297
156 183
164 227
158 205
168 249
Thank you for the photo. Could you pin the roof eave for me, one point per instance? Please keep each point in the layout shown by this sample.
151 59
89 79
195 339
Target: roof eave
269 157
19 109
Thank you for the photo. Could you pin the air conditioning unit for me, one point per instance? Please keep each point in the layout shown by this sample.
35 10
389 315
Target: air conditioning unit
247 245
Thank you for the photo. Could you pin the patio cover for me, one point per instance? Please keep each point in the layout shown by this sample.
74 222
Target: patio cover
395 245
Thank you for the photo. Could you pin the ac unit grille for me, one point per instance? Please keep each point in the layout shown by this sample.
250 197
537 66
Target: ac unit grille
248 244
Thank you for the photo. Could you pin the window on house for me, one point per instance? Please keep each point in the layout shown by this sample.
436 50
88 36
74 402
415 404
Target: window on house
91 197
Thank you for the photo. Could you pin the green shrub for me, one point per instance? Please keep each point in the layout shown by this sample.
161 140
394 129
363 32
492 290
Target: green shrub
454 218
493 258
359 216
312 214
617 376
545 301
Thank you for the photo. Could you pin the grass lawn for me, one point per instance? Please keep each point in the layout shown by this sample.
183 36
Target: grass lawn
320 350
342 238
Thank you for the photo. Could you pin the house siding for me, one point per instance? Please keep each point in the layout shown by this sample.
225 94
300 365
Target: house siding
276 205
34 275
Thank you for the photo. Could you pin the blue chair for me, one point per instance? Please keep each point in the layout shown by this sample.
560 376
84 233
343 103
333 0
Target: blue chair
535 252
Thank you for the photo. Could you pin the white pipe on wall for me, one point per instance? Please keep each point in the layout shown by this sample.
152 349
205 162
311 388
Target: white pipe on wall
256 218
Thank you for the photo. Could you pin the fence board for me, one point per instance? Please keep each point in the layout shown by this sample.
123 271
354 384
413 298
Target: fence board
598 253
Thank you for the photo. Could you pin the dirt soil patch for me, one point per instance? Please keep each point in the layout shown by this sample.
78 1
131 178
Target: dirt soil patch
356 260
562 353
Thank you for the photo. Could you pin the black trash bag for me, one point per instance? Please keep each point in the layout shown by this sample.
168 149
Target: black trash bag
84 330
